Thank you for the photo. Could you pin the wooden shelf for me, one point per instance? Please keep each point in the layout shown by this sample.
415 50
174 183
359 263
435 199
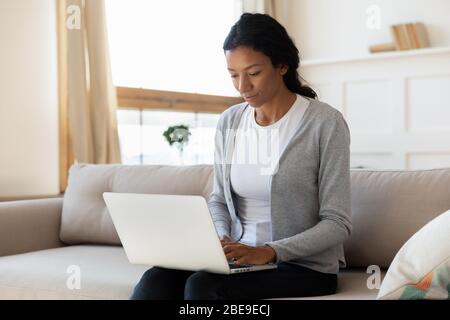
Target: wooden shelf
377 56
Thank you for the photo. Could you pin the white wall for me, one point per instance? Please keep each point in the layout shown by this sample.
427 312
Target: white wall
399 115
396 104
337 28
28 98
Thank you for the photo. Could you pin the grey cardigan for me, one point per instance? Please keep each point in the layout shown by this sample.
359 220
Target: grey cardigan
310 192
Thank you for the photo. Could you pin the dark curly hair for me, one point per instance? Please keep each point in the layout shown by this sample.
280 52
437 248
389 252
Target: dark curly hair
263 33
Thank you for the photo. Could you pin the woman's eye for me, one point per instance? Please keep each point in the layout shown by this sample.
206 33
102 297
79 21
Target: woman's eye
250 74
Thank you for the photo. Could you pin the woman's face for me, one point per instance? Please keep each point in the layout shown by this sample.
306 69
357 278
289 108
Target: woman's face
253 75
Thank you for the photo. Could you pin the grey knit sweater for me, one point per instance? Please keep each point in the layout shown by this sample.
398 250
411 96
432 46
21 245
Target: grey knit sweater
310 191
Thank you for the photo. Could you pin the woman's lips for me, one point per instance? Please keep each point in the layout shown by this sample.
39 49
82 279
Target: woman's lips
250 98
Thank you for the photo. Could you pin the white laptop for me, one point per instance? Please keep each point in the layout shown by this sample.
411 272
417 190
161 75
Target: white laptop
170 231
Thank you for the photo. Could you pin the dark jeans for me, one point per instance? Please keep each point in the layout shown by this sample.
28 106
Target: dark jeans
287 280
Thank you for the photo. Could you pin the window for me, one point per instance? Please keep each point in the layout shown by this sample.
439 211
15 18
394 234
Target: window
173 45
142 140
167 62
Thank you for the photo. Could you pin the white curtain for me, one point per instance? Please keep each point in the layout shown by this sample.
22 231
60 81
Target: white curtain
92 100
255 6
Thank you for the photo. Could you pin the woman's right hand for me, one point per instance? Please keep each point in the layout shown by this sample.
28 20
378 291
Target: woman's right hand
225 240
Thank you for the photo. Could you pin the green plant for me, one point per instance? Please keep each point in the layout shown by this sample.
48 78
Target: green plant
178 135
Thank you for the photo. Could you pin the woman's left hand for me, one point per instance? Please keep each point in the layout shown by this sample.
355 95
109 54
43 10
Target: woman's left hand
243 254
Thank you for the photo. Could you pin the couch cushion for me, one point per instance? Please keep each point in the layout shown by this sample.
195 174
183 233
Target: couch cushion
352 285
85 218
105 273
388 207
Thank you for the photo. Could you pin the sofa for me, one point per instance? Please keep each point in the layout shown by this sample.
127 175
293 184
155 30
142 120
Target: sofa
67 247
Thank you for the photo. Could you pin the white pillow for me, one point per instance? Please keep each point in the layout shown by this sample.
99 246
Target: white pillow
421 268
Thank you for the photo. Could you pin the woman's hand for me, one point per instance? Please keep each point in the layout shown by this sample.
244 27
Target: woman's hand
225 240
243 254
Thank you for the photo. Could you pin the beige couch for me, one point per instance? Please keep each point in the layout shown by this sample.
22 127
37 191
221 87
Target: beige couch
67 248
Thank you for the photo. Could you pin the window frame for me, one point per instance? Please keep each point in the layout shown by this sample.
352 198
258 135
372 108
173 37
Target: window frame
149 99
142 99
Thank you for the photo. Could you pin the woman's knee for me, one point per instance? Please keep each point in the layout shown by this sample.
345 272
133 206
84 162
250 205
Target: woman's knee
156 272
202 286
154 276
156 283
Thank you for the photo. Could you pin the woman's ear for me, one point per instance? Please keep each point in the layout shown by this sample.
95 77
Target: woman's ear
284 69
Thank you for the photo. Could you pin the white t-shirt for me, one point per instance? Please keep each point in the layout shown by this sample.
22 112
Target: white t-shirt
255 159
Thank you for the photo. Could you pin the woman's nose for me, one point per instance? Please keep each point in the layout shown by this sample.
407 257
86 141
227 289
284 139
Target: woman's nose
244 85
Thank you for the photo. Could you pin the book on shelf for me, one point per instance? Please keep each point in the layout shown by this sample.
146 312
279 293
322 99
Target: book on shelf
409 36
382 47
412 36
422 35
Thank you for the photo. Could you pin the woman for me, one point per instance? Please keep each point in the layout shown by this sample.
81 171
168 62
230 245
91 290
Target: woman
289 205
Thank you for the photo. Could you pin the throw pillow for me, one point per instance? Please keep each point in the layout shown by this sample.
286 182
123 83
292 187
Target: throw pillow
421 268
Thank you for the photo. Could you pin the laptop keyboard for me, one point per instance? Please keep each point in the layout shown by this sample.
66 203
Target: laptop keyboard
234 266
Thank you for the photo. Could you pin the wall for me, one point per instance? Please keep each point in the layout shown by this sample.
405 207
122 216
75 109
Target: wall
398 115
396 104
28 98
337 28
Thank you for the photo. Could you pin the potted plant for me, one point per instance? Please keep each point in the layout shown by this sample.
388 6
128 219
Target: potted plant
178 135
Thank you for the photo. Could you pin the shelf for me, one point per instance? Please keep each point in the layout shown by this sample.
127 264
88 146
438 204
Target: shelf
377 56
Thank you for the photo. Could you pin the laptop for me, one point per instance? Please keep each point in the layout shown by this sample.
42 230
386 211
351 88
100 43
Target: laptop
170 231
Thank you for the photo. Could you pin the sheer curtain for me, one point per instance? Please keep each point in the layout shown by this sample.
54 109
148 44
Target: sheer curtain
91 96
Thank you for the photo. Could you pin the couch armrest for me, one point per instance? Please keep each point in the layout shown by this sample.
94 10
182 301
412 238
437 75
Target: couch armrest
30 225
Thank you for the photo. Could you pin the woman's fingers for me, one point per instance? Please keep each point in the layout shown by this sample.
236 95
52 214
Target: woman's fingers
235 251
225 240
230 251
241 260
233 254
241 254
231 247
